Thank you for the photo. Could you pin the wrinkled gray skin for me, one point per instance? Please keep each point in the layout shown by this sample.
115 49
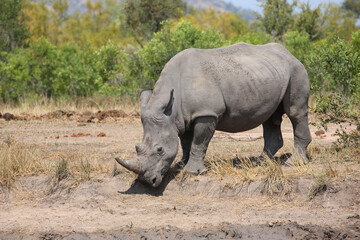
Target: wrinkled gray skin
232 89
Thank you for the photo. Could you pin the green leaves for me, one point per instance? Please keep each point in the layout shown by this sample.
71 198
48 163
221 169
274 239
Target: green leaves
143 18
277 17
46 70
298 43
13 32
334 65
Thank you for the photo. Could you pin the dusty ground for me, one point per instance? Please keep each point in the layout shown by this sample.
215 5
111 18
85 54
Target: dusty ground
187 207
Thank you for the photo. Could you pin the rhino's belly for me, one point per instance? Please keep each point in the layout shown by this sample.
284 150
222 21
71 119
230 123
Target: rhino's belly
239 120
238 124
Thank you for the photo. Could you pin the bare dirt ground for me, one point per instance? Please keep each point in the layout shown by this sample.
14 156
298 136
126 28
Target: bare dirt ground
212 206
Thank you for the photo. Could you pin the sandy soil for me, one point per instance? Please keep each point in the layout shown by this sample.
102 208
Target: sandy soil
195 207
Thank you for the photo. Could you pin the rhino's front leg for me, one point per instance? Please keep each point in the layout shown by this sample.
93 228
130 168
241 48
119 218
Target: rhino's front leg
204 128
186 141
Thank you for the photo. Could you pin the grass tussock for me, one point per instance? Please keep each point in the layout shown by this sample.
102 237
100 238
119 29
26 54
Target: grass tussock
275 183
62 170
323 180
17 159
246 170
77 168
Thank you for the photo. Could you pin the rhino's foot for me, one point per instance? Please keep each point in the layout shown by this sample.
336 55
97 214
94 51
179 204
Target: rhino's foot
196 167
179 165
297 161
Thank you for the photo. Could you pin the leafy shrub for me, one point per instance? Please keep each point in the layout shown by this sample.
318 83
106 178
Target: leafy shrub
335 108
298 43
355 40
46 70
334 65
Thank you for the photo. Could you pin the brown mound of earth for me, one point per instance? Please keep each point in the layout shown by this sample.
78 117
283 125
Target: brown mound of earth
81 135
87 116
101 134
8 116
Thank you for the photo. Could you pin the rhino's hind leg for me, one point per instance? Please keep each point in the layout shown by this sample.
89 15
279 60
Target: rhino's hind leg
203 130
302 138
296 107
273 140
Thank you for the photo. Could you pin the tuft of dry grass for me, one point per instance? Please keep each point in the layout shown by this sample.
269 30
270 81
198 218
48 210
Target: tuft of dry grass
275 183
323 179
117 171
16 159
77 167
62 170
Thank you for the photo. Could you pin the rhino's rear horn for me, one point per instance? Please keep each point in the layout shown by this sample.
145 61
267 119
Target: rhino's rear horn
132 164
139 148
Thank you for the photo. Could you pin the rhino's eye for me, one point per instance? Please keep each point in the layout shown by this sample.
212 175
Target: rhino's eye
159 149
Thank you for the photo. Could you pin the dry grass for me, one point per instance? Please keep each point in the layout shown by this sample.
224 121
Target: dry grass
245 170
323 179
275 181
77 167
326 166
45 105
16 159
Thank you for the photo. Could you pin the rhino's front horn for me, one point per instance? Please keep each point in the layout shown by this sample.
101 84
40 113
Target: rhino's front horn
132 164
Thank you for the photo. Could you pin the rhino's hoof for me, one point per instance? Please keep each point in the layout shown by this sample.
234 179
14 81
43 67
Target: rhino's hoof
296 161
196 169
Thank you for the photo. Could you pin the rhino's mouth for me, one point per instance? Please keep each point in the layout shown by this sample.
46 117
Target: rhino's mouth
153 181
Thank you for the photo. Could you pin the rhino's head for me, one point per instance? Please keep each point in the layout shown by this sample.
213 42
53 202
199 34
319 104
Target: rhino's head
160 141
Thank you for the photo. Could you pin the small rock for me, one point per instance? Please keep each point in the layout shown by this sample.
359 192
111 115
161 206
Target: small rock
101 134
319 132
8 116
354 216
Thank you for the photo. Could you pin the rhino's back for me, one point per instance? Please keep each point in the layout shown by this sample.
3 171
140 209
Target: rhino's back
241 85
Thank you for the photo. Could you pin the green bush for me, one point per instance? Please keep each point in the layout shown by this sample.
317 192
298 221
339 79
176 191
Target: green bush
46 70
336 108
355 40
334 65
298 43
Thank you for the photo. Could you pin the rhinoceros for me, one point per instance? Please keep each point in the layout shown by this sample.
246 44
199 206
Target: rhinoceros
232 89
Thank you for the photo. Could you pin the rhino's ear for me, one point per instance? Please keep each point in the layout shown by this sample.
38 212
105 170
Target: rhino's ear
144 98
168 109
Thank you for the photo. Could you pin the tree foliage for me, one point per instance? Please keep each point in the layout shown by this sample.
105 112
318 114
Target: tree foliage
13 31
100 22
309 21
50 71
352 5
227 23
144 17
334 65
338 22
95 51
277 17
